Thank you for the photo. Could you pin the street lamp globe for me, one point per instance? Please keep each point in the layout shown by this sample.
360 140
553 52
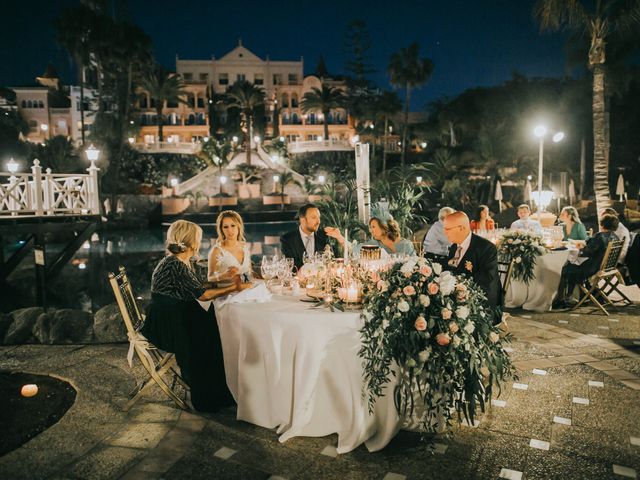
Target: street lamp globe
92 153
558 137
234 139
44 127
256 139
12 166
223 179
275 158
540 131
276 178
282 139
321 178
173 182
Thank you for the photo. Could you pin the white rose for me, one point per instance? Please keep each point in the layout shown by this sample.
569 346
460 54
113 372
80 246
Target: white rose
447 283
437 268
403 306
518 259
385 323
425 301
470 327
462 312
456 341
423 356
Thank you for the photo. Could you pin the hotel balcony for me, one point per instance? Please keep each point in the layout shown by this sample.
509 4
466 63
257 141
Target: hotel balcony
187 148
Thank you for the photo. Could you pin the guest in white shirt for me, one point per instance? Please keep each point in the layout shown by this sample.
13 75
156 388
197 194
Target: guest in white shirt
526 223
436 244
621 232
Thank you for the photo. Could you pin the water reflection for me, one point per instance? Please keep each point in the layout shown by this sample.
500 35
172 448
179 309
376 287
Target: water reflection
83 284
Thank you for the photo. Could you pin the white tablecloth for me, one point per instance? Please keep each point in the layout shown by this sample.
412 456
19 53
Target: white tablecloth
539 294
296 368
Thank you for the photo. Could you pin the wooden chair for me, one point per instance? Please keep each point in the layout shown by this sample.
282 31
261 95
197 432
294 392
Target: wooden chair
601 284
505 270
157 364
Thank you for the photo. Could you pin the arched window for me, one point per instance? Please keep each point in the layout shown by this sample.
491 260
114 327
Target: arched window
285 100
294 100
191 119
312 119
29 104
295 119
285 118
40 104
200 119
24 104
143 102
330 118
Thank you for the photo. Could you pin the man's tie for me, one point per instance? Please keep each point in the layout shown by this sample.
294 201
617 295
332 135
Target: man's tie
307 242
456 256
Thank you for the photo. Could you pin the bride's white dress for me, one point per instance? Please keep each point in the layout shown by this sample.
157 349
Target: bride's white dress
225 260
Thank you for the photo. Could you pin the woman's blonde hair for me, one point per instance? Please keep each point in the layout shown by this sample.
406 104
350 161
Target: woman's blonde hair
573 214
238 221
183 235
391 229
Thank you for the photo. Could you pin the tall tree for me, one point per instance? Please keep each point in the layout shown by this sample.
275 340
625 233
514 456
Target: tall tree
323 100
407 70
357 44
248 98
163 86
605 20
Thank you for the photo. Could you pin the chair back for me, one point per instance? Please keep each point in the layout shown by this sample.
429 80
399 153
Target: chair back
611 256
126 301
505 270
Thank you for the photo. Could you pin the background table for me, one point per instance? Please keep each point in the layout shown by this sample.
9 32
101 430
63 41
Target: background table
295 368
539 294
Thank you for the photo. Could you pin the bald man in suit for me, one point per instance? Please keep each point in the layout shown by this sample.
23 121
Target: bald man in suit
475 257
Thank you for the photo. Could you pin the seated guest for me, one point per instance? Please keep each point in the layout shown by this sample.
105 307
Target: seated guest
175 321
572 227
436 244
526 223
622 233
591 255
230 255
482 220
307 238
475 257
384 235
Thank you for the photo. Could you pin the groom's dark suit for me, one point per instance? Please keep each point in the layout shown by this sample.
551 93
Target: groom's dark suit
293 246
480 262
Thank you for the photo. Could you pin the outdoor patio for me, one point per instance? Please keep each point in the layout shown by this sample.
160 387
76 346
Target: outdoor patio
571 414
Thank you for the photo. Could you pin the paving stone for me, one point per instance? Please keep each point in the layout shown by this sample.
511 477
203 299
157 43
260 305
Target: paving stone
139 435
624 471
105 463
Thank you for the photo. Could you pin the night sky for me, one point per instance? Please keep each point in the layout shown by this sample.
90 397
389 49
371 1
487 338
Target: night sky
472 43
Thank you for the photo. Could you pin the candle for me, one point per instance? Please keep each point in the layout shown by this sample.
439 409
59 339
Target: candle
29 390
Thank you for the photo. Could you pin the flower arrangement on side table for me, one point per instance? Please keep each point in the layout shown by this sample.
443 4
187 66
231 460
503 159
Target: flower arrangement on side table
435 329
524 248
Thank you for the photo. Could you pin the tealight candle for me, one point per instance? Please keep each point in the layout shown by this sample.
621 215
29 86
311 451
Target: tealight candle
352 294
29 390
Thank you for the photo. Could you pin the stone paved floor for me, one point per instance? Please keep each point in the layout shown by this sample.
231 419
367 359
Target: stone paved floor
573 413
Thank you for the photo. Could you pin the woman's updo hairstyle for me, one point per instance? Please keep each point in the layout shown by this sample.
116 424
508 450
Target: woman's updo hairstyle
183 235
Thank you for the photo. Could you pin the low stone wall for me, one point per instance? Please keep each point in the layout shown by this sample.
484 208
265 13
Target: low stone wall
62 326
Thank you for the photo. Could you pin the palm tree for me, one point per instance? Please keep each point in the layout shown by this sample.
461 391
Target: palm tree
74 28
323 100
246 97
162 86
286 178
407 70
218 155
604 20
386 104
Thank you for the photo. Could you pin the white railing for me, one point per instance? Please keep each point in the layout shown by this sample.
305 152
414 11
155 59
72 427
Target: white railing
169 147
37 194
319 146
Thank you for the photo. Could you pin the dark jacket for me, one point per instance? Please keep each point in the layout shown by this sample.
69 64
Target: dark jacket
293 247
483 256
594 251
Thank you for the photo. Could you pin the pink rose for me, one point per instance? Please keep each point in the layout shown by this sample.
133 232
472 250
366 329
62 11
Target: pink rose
443 339
461 287
494 337
461 296
432 288
421 324
374 276
453 327
425 270
382 285
446 313
409 290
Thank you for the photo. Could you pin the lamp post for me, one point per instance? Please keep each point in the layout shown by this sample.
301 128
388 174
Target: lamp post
541 131
93 154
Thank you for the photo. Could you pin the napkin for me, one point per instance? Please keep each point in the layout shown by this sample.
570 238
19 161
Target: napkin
258 293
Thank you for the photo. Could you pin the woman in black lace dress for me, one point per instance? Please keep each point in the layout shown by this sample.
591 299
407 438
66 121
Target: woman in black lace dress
177 323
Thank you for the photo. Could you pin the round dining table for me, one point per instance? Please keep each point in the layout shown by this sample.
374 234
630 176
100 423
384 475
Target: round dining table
295 368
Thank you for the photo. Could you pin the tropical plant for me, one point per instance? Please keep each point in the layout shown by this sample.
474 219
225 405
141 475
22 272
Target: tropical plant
323 100
218 154
407 70
285 178
58 154
340 208
163 86
248 98
249 173
606 21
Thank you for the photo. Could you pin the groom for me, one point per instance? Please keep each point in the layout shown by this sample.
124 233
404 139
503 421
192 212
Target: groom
307 238
475 257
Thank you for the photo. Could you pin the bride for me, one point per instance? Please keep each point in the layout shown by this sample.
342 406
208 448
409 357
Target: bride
230 254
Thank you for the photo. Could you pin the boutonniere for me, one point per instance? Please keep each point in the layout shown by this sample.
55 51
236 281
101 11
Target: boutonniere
468 265
452 262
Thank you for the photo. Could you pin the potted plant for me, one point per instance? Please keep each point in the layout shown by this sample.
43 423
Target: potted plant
281 180
174 205
314 190
219 155
251 180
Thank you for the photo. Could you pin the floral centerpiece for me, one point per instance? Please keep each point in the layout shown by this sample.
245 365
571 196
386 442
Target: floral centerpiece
523 248
433 332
